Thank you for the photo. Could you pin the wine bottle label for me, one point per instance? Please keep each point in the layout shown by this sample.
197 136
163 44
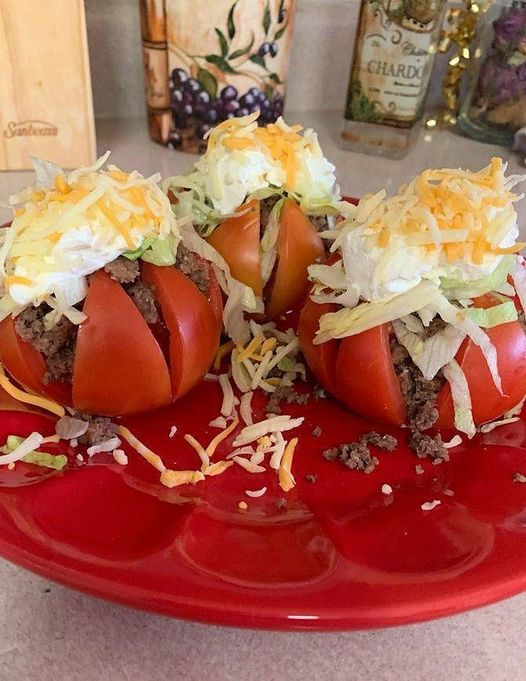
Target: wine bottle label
393 58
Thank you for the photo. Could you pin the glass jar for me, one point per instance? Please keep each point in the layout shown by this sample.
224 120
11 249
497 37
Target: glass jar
494 105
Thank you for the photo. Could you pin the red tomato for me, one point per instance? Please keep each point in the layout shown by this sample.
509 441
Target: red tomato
370 385
487 403
191 321
320 358
27 366
119 366
359 370
237 240
298 246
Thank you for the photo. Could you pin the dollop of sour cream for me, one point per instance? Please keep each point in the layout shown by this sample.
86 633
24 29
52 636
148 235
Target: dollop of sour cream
243 158
445 224
66 227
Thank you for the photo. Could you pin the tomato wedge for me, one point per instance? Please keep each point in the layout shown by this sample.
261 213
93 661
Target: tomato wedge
366 378
27 366
487 403
191 321
298 246
119 367
320 358
237 240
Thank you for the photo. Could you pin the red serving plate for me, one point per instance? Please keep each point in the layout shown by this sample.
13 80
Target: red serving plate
342 555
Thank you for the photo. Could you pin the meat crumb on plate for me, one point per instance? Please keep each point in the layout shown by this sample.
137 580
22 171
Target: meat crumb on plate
519 477
316 431
419 470
281 503
428 447
310 477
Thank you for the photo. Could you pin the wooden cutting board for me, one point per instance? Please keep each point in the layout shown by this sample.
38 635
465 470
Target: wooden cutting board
46 106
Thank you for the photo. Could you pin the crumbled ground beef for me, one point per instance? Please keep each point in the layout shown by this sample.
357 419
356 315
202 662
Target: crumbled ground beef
142 296
56 344
428 447
123 270
316 431
419 470
310 477
281 503
100 429
388 443
419 393
194 267
357 455
319 222
285 394
354 455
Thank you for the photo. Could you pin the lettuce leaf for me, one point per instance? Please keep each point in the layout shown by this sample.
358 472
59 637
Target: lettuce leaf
44 459
493 316
456 289
162 252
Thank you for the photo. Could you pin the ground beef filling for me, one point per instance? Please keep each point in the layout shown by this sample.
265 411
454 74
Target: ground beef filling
194 267
419 393
99 430
56 344
420 396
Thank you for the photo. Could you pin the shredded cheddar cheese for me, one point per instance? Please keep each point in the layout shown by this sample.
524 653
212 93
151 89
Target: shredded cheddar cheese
152 458
459 211
171 478
286 479
28 398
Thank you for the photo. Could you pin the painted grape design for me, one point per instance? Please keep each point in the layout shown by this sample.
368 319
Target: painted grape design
197 100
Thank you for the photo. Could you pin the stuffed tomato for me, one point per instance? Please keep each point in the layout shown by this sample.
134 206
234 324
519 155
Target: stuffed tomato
103 308
416 318
260 196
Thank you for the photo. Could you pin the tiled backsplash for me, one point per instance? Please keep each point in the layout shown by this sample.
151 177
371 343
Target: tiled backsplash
323 43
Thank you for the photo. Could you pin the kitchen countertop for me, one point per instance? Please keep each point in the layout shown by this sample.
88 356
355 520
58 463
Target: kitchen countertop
50 633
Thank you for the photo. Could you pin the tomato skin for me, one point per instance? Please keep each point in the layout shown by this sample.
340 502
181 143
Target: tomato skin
320 358
366 378
27 366
298 246
487 403
237 241
191 321
119 367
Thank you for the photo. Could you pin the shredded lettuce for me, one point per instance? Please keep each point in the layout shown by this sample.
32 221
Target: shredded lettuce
456 289
349 322
461 397
137 253
162 252
268 244
431 354
44 459
459 319
493 316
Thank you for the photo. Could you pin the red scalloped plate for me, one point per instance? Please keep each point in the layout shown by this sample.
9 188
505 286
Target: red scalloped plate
341 555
